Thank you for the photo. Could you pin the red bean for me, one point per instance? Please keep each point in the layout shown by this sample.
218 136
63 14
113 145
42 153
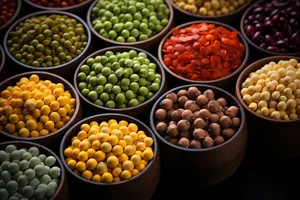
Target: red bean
273 49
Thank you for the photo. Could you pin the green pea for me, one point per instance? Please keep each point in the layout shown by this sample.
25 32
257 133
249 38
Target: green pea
93 95
90 61
154 87
98 68
100 89
34 151
116 89
39 193
140 5
2 184
104 97
143 91
82 85
110 104
5 165
142 81
4 193
125 82
151 26
112 34
5 176
143 27
106 71
45 179
85 92
103 60
10 148
136 24
131 39
54 172
124 88
81 76
124 9
116 65
120 39
136 67
134 77
108 87
135 33
50 190
141 99
133 102
149 95
13 167
117 10
17 174
134 86
98 102
102 80
113 59
122 106
143 37
129 94
118 27
112 78
12 186
4 156
138 16
120 98
128 25
125 33
97 59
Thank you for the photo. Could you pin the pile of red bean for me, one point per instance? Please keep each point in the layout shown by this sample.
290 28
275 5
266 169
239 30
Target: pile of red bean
274 25
7 10
57 3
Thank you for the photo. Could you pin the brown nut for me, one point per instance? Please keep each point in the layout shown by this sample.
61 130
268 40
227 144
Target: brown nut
191 105
209 94
172 130
183 125
220 113
225 121
169 113
199 123
232 111
172 96
214 118
160 114
166 104
184 142
174 141
195 144
227 133
172 122
206 133
218 140
176 115
201 100
196 114
236 122
161 127
187 115
204 114
181 93
168 138
186 134
176 106
213 106
193 93
222 101
214 129
199 134
207 142
182 100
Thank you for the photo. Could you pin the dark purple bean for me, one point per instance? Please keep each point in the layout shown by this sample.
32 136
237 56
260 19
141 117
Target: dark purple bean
283 19
278 35
287 29
246 22
293 21
285 50
255 22
289 9
275 19
250 30
281 43
267 18
295 37
263 45
268 23
294 14
269 39
275 12
256 37
259 27
259 9
286 40
273 49
251 18
257 5
259 17
268 10
280 4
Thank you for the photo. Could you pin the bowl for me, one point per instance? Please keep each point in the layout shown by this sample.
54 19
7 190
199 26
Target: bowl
141 186
62 188
135 111
208 166
224 82
52 139
230 18
145 44
269 137
62 69
76 9
4 28
258 51
2 59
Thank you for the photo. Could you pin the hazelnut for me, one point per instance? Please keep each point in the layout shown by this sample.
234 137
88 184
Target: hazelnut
199 134
174 141
187 115
218 140
199 123
193 93
172 122
232 111
161 127
184 142
227 133
220 113
207 142
201 100
161 114
209 94
195 144
172 130
214 129
225 122
204 114
181 93
236 122
183 125
222 101
196 114
176 106
176 115
191 105
186 134
169 113
214 118
182 100
172 96
168 138
213 106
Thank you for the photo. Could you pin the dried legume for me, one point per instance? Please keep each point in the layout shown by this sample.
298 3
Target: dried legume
274 90
203 52
35 107
46 41
109 151
7 10
57 3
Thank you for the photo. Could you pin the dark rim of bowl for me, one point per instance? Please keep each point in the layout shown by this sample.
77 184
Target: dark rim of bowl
19 6
252 43
116 49
244 73
2 58
235 72
161 33
239 9
50 152
214 88
58 9
65 83
88 33
141 126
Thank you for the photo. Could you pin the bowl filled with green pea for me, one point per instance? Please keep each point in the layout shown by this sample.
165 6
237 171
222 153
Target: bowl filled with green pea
139 23
120 79
53 41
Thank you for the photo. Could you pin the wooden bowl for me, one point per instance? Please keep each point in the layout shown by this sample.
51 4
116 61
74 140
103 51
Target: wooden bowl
141 186
145 44
270 137
4 28
225 82
76 9
208 166
62 69
258 51
62 189
135 111
52 139
185 16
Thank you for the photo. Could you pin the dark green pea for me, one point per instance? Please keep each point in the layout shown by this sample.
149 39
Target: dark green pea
123 9
133 102
5 176
110 104
34 182
112 96
4 193
134 86
120 98
124 88
13 167
120 39
101 80
117 10
104 97
116 65
129 94
82 85
98 102
92 96
116 89
85 92
151 26
108 87
100 89
4 165
122 106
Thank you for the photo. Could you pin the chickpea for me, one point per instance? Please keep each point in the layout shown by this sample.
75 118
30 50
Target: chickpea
262 104
281 106
224 10
292 86
191 2
231 8
193 9
264 111
293 62
291 74
287 92
203 11
253 106
181 5
297 93
286 117
244 91
207 5
256 97
210 13
257 88
283 98
215 4
273 104
275 115
265 96
293 116
275 95
291 104
280 87
247 99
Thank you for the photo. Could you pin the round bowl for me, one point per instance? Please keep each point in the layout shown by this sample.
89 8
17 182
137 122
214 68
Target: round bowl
208 166
271 137
63 69
2 59
141 186
8 24
73 9
224 82
52 139
62 189
135 111
258 51
185 16
145 44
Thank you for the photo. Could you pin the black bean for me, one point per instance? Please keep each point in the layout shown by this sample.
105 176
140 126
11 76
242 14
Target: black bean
259 9
273 49
295 37
269 39
283 19
246 21
259 17
278 35
289 9
259 27
268 23
250 30
275 12
281 43
275 19
294 14
256 37
293 21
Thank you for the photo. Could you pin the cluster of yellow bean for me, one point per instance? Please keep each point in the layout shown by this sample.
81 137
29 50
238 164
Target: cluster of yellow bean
34 107
274 90
209 7
110 151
